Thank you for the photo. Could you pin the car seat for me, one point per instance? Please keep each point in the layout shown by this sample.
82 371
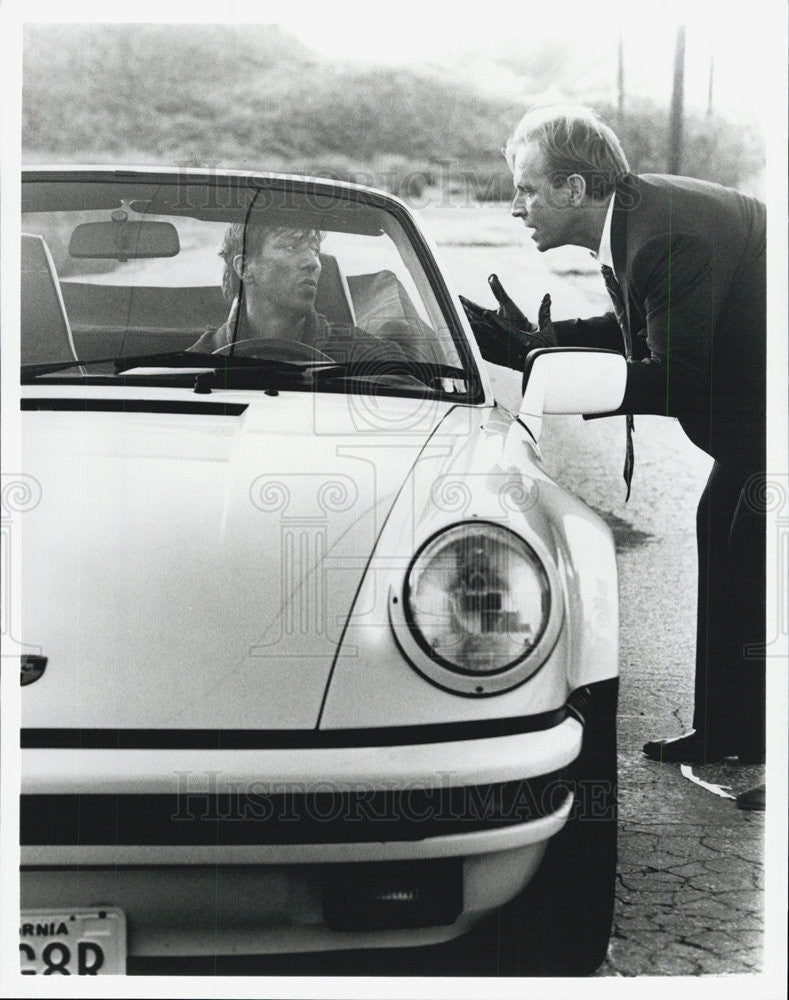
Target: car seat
45 331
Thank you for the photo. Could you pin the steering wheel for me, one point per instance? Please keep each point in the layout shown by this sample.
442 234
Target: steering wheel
275 349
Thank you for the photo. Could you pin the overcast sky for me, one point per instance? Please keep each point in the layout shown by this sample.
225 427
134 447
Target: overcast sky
746 36
424 32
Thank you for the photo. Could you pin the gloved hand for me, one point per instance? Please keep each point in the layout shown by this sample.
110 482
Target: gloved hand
505 336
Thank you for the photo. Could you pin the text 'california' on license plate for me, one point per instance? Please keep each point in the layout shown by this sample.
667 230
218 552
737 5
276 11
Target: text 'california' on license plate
73 942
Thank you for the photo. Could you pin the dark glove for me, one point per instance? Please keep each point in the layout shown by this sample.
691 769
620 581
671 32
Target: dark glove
505 336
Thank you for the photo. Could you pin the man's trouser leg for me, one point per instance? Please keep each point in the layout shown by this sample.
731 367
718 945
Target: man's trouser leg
729 690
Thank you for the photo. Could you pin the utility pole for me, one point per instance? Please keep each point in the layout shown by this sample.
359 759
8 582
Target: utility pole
675 135
709 85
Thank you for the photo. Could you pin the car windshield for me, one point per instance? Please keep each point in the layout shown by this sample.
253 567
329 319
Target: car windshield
146 279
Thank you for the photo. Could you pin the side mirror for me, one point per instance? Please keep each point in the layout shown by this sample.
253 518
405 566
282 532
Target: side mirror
571 380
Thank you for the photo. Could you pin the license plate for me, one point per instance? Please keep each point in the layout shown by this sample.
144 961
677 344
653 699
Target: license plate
73 942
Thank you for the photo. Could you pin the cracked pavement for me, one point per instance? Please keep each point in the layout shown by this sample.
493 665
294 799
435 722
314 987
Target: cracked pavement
689 888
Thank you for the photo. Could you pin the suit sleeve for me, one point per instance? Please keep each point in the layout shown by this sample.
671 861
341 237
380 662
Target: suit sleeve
599 331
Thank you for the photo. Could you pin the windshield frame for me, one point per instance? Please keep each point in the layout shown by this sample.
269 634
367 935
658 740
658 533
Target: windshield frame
245 188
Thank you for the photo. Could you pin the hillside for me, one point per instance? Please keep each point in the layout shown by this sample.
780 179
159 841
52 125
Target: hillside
253 96
237 90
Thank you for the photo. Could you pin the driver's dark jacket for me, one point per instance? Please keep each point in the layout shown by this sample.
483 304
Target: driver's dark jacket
340 342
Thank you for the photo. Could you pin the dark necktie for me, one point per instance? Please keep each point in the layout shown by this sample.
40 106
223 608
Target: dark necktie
617 299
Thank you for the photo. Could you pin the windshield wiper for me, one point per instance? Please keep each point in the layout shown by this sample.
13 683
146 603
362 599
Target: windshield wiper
219 362
30 372
172 359
243 371
427 372
250 376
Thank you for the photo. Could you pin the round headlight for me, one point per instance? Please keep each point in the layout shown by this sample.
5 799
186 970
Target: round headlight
481 604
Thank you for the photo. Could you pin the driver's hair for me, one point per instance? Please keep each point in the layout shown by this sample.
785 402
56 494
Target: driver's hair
248 240
574 140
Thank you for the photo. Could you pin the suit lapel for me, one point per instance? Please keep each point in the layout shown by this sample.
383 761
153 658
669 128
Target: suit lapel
625 200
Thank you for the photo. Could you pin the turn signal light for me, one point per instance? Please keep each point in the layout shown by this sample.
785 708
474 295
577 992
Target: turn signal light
390 896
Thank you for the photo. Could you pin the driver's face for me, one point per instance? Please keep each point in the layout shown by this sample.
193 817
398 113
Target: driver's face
286 270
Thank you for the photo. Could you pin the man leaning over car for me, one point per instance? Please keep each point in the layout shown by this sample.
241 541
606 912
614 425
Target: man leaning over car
684 264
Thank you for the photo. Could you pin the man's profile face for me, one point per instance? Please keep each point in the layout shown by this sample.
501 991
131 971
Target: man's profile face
545 208
286 269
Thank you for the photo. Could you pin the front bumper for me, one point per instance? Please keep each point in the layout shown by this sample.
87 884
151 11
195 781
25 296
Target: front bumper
83 807
249 909
236 852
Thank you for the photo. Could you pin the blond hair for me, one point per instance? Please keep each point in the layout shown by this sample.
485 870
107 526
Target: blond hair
574 140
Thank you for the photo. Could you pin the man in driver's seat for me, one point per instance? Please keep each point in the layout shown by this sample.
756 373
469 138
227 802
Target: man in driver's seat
271 279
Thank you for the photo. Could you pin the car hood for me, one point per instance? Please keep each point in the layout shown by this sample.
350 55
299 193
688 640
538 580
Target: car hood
196 569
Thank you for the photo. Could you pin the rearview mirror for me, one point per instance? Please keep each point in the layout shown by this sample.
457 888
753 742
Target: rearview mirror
124 240
571 380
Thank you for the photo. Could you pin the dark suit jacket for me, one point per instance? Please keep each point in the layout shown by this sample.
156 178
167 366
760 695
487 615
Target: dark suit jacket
690 258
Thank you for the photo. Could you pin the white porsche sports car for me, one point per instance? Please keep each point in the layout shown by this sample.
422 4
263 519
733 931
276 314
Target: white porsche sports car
319 657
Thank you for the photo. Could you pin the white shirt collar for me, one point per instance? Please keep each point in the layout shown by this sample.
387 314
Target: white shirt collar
604 254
